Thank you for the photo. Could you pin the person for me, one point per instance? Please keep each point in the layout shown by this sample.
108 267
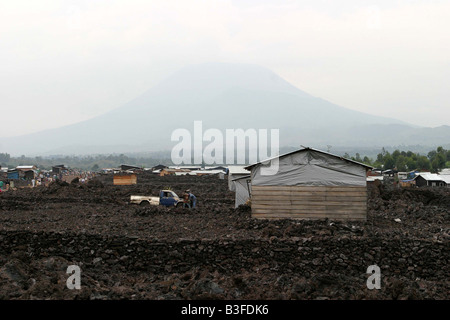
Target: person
192 199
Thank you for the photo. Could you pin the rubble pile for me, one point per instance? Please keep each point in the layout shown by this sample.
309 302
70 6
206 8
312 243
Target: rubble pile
215 251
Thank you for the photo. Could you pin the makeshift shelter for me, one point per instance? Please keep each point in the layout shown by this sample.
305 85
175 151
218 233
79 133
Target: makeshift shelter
426 179
29 175
158 167
236 172
309 184
243 190
58 169
13 175
127 167
26 168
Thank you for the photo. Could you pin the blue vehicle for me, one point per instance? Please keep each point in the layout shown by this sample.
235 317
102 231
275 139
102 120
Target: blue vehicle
166 198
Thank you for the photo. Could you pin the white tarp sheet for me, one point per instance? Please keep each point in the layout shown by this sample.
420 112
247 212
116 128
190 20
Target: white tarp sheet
243 190
232 176
311 168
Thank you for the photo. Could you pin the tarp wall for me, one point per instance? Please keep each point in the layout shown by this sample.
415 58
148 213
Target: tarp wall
231 177
243 191
310 168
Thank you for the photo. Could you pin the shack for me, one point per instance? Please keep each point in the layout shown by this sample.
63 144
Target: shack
26 172
426 179
235 172
127 167
58 169
13 174
309 184
158 167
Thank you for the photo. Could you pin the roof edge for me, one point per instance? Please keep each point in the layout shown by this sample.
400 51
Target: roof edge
306 149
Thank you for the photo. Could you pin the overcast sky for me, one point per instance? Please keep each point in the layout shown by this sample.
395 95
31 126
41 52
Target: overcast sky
66 61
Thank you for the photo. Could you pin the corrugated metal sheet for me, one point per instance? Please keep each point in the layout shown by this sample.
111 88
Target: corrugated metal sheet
445 178
25 167
430 176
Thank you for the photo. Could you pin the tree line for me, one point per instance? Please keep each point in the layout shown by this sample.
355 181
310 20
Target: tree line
88 163
434 161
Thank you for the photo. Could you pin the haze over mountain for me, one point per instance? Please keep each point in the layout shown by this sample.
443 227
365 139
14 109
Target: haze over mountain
224 96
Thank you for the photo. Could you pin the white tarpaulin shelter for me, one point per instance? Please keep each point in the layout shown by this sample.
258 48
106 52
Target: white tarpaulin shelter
309 184
243 190
309 167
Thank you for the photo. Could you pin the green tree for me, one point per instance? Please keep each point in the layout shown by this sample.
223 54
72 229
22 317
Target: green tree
438 162
367 160
400 163
411 163
389 162
396 154
423 163
380 157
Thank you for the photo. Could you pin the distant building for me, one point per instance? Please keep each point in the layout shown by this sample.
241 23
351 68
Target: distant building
159 167
445 178
13 174
127 167
389 173
27 172
173 171
235 172
190 168
205 172
426 179
216 168
26 168
58 169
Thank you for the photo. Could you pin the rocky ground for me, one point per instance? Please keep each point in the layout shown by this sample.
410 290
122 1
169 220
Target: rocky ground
215 251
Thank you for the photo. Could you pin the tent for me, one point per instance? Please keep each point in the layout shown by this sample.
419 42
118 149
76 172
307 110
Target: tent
309 184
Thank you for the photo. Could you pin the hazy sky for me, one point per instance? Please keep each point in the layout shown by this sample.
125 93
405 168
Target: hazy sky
66 61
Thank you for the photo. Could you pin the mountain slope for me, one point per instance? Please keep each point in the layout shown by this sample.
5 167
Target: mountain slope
222 96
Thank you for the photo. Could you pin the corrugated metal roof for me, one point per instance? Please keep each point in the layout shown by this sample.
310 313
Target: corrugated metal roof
446 178
429 176
373 178
194 172
24 167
